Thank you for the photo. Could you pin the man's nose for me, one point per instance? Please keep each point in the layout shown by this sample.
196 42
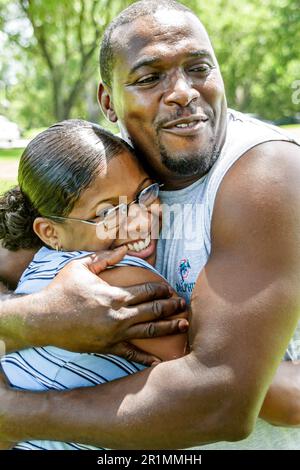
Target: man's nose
180 91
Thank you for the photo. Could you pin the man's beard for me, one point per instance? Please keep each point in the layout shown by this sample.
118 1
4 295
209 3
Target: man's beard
190 165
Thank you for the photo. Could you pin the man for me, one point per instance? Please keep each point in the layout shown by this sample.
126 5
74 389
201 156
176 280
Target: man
162 84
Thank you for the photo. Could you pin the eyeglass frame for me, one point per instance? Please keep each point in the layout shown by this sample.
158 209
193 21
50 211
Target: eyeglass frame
96 224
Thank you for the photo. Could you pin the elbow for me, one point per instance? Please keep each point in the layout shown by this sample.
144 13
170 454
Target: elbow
237 424
238 413
239 431
231 404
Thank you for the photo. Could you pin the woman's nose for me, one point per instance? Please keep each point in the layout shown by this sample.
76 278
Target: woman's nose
138 222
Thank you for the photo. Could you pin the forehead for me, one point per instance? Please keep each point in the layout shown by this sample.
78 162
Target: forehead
164 34
119 177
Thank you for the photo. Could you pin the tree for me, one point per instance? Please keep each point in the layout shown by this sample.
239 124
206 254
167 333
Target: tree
67 35
49 62
257 45
60 56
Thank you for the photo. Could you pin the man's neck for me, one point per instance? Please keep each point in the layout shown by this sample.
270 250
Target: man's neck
176 184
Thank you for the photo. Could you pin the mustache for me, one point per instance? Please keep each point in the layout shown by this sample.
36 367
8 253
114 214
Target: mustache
183 112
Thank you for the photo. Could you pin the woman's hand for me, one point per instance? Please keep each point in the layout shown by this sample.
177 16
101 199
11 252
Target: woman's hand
282 403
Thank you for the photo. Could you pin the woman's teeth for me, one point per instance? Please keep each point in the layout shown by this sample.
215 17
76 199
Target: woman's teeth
139 246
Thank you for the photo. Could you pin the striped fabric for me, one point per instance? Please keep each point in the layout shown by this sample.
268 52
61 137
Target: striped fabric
51 368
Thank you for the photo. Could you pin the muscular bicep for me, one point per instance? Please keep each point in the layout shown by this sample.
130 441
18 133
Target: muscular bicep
246 301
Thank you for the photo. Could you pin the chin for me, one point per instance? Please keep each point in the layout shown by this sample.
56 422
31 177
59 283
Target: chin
190 164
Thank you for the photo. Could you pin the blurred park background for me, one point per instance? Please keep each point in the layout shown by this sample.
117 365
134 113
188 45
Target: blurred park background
49 63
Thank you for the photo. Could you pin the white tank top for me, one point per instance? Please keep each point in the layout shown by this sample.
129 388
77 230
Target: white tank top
184 253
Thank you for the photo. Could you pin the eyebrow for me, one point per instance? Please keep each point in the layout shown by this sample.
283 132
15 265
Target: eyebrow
144 61
110 199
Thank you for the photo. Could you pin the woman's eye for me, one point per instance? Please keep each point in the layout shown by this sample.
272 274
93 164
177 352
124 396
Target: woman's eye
102 214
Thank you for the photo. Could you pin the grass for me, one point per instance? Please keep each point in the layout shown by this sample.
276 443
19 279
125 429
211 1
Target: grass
10 153
291 126
8 156
5 185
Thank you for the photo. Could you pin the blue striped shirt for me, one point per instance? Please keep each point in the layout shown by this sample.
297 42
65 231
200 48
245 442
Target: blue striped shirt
51 368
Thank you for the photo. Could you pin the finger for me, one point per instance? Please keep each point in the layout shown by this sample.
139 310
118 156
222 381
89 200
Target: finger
158 309
156 329
146 292
98 262
132 353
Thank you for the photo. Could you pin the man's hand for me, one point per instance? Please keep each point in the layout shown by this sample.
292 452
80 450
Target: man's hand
85 314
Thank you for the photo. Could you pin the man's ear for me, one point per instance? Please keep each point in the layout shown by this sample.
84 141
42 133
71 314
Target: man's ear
106 104
46 231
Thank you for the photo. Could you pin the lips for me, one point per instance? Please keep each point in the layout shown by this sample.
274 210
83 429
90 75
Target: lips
187 126
186 122
139 245
143 253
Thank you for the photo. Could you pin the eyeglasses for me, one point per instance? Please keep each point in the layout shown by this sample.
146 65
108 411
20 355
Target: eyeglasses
109 216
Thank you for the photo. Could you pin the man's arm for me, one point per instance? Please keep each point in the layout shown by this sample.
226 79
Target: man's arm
12 265
281 406
245 308
13 311
100 317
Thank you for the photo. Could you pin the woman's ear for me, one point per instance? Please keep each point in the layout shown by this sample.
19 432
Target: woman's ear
46 231
105 102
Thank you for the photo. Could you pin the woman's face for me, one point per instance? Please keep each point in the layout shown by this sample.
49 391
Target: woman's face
121 182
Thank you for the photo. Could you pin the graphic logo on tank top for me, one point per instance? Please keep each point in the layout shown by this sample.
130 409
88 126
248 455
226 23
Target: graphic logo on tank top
184 270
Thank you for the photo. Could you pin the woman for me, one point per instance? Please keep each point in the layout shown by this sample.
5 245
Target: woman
71 178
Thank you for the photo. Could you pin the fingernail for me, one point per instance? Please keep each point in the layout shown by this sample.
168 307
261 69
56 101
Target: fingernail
183 325
182 303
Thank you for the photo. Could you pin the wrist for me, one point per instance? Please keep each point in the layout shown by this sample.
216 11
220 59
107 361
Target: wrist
20 317
22 415
8 430
35 330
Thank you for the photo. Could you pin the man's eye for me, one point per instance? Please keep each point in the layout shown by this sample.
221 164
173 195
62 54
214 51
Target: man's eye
147 80
203 68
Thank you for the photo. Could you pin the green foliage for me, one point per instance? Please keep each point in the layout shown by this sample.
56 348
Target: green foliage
56 44
54 48
257 46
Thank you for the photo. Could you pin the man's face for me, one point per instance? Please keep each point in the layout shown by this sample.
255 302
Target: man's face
168 95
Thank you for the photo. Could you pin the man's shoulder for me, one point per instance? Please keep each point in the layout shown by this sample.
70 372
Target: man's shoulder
267 162
245 131
260 187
